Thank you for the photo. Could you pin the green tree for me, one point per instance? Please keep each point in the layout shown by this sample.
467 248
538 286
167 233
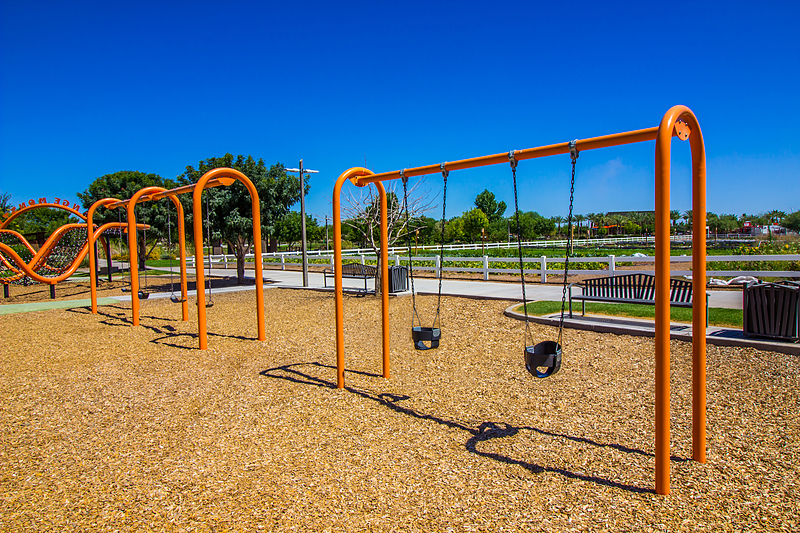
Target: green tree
454 229
5 203
474 221
124 185
792 221
532 225
290 230
493 209
231 213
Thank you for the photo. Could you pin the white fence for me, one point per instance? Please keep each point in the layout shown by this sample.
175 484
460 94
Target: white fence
533 265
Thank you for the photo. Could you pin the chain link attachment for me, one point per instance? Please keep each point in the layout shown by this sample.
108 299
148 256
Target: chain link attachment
512 158
403 176
445 172
573 150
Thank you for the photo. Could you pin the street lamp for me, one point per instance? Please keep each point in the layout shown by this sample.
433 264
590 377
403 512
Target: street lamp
301 171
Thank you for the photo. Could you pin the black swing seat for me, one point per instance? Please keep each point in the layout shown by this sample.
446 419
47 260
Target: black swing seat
144 295
176 299
546 355
421 335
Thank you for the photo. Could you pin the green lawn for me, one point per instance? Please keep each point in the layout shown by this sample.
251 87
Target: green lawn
716 316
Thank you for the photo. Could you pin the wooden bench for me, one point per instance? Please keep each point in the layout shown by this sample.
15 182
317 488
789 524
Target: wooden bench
353 270
633 289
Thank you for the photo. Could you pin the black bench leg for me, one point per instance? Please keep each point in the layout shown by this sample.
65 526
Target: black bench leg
52 292
570 304
583 307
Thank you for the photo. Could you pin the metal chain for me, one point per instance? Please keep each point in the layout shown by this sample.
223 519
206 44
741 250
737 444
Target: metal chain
513 161
410 259
445 173
574 155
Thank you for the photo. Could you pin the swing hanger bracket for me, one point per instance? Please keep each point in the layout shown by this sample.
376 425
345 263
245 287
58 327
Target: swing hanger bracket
445 172
512 158
573 149
403 176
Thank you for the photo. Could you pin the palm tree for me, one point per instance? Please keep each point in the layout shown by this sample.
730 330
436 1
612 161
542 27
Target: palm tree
579 219
558 220
773 216
687 216
674 216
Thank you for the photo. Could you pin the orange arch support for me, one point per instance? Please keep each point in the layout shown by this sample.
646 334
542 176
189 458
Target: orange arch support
353 175
197 204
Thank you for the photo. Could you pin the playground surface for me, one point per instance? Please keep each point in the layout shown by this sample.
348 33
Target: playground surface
107 427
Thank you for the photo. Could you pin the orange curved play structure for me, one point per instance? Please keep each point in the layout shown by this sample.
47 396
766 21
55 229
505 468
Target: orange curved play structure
679 122
213 178
33 268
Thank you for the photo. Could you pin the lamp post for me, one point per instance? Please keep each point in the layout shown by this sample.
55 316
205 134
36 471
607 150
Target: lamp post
301 171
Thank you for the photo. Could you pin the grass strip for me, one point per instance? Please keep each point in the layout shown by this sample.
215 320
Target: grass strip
717 316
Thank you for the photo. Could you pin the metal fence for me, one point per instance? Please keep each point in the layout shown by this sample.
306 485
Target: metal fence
541 266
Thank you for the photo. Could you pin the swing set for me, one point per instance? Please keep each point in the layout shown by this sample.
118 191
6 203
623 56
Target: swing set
679 121
213 178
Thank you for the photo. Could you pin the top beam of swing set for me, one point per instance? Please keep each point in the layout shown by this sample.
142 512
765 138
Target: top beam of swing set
679 121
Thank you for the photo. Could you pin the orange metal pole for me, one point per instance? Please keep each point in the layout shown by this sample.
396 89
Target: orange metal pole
699 288
133 236
662 384
351 174
226 176
384 278
92 262
593 143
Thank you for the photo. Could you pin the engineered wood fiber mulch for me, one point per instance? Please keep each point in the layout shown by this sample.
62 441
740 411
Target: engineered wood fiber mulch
105 427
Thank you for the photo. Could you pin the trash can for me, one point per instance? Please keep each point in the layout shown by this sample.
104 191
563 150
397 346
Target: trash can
398 278
771 310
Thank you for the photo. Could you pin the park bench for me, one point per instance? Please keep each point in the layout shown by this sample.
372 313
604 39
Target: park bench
633 289
353 270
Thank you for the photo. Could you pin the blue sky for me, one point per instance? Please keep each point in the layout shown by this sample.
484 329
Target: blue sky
90 88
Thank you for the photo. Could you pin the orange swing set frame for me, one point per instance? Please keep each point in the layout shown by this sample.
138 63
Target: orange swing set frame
679 121
213 178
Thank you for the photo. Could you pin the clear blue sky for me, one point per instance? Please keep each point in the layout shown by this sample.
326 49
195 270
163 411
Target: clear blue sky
90 88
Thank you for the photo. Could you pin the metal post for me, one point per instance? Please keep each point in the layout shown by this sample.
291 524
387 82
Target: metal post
327 246
303 225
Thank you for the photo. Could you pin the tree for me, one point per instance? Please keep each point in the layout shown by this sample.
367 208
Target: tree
687 217
532 225
580 219
5 203
454 229
474 221
124 185
792 221
493 209
362 214
674 216
231 214
773 217
557 221
290 230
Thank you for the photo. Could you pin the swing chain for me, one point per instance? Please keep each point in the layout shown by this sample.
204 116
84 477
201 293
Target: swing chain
404 178
513 161
573 152
445 174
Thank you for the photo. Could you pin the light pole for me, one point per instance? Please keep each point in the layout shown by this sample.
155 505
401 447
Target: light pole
301 171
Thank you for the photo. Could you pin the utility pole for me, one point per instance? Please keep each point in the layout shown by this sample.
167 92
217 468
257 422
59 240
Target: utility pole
326 234
303 216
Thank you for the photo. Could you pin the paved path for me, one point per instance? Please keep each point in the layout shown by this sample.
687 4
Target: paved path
462 288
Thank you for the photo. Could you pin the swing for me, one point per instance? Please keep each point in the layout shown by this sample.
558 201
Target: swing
209 301
119 218
420 334
144 294
172 296
544 359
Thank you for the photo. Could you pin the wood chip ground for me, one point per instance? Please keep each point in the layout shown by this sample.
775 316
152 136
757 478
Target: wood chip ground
105 427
